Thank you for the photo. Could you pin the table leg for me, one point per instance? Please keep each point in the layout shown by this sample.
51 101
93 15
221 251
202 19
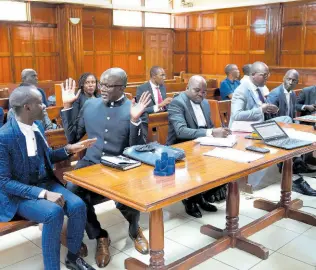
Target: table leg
156 243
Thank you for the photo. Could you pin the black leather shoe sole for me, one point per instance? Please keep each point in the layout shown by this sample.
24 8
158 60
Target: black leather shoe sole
208 207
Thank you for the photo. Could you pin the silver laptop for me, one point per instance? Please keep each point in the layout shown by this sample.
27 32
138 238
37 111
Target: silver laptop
272 134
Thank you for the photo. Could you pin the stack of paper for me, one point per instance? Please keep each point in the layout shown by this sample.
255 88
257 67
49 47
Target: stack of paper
230 141
233 155
300 135
242 126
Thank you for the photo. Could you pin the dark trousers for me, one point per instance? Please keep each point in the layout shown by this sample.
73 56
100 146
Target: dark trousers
93 227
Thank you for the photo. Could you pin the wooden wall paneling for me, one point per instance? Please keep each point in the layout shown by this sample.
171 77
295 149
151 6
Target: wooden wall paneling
240 59
136 66
208 41
257 38
43 13
240 17
194 63
159 50
21 40
119 40
97 17
208 64
273 39
180 22
102 63
179 63
121 61
224 40
224 19
180 41
88 39
47 67
45 39
207 21
193 21
194 41
21 63
221 61
136 41
72 57
102 40
5 55
88 65
240 40
293 14
256 57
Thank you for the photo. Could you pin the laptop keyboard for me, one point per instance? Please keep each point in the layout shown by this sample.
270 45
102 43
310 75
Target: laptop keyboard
284 142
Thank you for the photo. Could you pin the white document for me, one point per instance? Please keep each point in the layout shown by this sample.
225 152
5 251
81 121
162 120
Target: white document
300 135
234 155
242 126
230 141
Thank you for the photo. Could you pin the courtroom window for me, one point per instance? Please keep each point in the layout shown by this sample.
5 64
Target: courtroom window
157 4
13 11
126 3
157 20
127 18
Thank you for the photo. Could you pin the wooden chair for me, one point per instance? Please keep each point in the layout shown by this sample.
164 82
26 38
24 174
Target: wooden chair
158 127
54 114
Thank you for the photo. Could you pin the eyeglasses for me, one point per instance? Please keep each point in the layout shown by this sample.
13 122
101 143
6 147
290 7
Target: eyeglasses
106 86
265 75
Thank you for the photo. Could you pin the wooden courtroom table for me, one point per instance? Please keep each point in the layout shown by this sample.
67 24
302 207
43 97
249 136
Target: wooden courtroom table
140 189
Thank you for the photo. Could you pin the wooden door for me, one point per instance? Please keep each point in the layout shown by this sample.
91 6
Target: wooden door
159 44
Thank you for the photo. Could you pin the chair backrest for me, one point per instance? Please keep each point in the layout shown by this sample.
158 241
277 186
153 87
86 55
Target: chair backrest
54 114
220 112
158 127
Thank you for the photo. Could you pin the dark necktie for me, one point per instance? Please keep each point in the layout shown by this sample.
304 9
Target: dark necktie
260 95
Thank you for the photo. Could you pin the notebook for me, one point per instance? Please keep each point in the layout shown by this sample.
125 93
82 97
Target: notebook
242 126
234 155
119 162
230 141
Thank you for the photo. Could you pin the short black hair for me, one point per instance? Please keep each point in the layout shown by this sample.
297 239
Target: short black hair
229 68
246 69
154 70
83 79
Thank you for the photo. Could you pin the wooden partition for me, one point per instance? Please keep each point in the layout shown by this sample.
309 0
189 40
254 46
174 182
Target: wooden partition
281 35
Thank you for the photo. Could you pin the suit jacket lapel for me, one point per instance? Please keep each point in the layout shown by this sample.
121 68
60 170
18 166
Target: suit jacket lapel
151 93
207 117
21 142
255 99
190 109
283 99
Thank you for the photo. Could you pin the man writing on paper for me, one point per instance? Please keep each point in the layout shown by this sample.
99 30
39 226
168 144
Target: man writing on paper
115 122
190 118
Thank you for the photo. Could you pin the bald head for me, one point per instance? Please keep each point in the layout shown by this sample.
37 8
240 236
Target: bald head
113 82
196 89
29 76
232 71
259 73
246 69
290 79
23 95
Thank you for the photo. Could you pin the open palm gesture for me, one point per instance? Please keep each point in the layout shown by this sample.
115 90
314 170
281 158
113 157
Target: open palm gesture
68 92
137 109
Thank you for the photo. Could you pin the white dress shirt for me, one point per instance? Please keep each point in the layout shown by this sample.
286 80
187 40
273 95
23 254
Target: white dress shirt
154 88
199 115
31 145
287 97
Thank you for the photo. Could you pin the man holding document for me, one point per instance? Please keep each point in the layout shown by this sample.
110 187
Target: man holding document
190 118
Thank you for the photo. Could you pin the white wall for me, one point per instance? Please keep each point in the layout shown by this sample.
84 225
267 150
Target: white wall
217 4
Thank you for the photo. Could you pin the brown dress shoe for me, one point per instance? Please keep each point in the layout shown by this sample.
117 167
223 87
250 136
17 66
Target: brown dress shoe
140 242
102 254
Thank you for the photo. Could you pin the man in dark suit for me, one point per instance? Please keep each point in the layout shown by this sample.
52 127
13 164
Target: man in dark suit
306 101
159 100
283 96
190 118
28 187
115 122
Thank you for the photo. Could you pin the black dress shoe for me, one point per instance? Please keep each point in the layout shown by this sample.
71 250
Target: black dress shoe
192 209
301 186
205 205
78 264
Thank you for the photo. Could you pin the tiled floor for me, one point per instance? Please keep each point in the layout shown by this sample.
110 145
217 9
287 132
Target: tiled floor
292 244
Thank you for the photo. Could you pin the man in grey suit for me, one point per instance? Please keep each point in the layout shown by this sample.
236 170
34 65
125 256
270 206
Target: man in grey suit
306 101
283 96
249 103
115 122
190 118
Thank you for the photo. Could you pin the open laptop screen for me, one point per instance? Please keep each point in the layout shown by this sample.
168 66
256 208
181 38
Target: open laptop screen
269 130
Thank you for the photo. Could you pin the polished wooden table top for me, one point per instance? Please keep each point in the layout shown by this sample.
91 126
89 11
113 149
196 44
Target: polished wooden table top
141 189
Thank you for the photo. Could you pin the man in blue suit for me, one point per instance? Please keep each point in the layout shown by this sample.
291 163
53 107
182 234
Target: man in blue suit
283 96
28 187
